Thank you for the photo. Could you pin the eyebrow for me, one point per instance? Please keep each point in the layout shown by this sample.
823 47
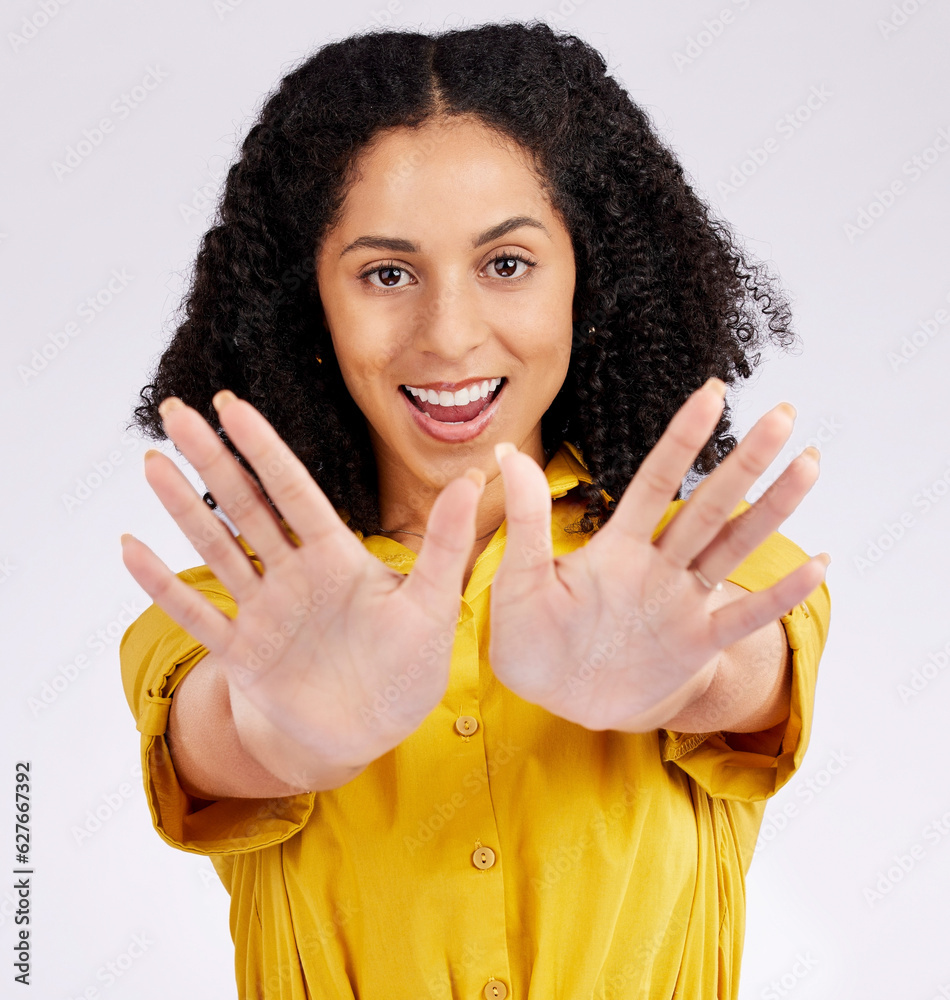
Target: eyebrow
395 244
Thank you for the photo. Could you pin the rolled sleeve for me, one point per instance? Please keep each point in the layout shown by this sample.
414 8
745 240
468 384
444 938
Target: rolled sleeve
155 654
745 775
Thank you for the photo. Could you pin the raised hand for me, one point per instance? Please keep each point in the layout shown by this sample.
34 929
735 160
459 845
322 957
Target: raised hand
322 632
615 634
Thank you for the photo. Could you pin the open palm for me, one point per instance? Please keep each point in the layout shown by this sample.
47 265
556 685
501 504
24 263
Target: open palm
614 634
332 655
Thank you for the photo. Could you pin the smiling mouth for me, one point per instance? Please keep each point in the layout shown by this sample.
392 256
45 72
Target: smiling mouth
452 412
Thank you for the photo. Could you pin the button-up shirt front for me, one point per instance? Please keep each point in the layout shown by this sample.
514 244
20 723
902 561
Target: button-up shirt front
499 850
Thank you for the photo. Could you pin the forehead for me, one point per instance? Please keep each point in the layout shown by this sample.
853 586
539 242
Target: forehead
449 174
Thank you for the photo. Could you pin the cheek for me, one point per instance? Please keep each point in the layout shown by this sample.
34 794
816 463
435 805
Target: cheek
365 356
551 356
563 353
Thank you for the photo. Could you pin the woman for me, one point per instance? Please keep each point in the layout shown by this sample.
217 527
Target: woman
468 326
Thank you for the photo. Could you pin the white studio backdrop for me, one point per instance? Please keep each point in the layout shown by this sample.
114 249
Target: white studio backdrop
820 130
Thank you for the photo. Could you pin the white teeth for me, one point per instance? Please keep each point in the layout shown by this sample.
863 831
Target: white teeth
477 390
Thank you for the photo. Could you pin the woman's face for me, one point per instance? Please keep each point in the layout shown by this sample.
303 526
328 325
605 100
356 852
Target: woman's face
422 288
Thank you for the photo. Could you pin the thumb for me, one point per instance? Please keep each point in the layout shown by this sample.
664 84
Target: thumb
435 581
528 561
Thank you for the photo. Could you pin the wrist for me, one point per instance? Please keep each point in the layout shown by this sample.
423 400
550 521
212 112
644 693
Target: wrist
676 707
302 767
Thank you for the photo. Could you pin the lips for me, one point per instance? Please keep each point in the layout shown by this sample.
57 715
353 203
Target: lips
454 414
443 429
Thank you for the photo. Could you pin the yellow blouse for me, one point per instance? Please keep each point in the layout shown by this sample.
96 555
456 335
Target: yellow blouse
498 851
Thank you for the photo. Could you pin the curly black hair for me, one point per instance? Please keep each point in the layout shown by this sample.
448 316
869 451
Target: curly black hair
671 298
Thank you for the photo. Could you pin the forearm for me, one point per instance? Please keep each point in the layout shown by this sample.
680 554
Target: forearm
215 759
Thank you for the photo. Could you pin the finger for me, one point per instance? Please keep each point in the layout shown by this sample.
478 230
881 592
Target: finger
210 537
434 583
661 473
739 618
301 502
746 532
528 560
702 517
232 488
183 604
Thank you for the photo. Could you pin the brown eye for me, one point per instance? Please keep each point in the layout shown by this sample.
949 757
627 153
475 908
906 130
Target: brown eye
505 266
389 276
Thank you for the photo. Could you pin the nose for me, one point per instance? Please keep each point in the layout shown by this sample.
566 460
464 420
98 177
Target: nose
449 322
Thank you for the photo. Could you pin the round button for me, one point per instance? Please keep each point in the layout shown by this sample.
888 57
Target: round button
466 724
495 989
484 857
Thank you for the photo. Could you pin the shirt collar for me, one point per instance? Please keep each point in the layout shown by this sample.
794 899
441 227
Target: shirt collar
565 470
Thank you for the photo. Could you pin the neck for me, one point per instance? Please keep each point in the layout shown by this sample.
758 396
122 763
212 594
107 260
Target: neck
406 496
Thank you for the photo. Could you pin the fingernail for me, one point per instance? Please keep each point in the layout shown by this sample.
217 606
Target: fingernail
166 406
824 559
813 453
149 453
503 448
221 399
717 385
788 408
124 536
476 476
